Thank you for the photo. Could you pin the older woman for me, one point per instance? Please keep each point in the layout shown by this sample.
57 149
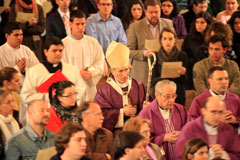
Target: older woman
8 124
170 53
195 149
62 97
142 126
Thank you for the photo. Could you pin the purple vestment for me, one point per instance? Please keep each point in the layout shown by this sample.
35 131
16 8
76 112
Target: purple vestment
111 102
232 102
158 131
226 137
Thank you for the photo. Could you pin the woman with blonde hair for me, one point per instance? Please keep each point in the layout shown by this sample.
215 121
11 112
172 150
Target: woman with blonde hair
8 124
142 126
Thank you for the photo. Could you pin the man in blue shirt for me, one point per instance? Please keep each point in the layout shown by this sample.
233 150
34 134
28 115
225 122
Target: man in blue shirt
33 137
104 26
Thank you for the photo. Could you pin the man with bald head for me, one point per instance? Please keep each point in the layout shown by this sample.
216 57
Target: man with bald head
221 137
99 140
33 137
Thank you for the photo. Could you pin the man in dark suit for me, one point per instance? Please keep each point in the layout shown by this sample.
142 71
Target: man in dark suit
55 22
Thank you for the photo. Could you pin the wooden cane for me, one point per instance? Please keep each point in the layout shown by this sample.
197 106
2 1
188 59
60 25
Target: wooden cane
150 67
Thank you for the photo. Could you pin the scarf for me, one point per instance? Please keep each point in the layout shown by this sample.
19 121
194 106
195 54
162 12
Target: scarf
51 68
162 56
67 114
30 4
4 121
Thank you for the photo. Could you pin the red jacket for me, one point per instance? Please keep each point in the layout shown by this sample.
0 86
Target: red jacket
54 123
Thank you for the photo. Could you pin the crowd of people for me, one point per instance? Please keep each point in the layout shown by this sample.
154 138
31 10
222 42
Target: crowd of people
76 81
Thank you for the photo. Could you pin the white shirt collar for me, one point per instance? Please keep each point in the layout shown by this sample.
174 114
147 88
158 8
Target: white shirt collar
11 48
122 85
164 112
210 129
62 13
222 97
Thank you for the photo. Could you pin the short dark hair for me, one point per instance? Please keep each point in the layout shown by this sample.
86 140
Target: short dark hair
175 8
192 146
7 73
196 2
125 139
219 38
77 14
11 26
58 87
215 68
64 134
151 3
52 41
83 107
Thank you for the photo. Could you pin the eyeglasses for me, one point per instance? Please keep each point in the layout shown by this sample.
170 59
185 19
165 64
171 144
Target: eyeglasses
168 96
70 95
106 4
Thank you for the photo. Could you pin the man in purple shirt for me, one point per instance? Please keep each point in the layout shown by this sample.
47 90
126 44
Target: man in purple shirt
218 81
167 117
221 137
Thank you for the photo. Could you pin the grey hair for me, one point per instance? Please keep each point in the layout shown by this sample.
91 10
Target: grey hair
161 84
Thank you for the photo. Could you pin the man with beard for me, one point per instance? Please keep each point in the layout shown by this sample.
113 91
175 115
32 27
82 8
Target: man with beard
33 137
167 117
148 28
218 84
121 97
99 140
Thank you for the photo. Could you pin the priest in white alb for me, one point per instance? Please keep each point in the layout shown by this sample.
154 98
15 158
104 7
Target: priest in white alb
13 53
84 52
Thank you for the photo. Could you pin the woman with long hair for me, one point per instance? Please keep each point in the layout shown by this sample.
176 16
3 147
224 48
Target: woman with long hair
135 13
194 41
63 100
8 125
170 53
170 11
234 23
195 149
